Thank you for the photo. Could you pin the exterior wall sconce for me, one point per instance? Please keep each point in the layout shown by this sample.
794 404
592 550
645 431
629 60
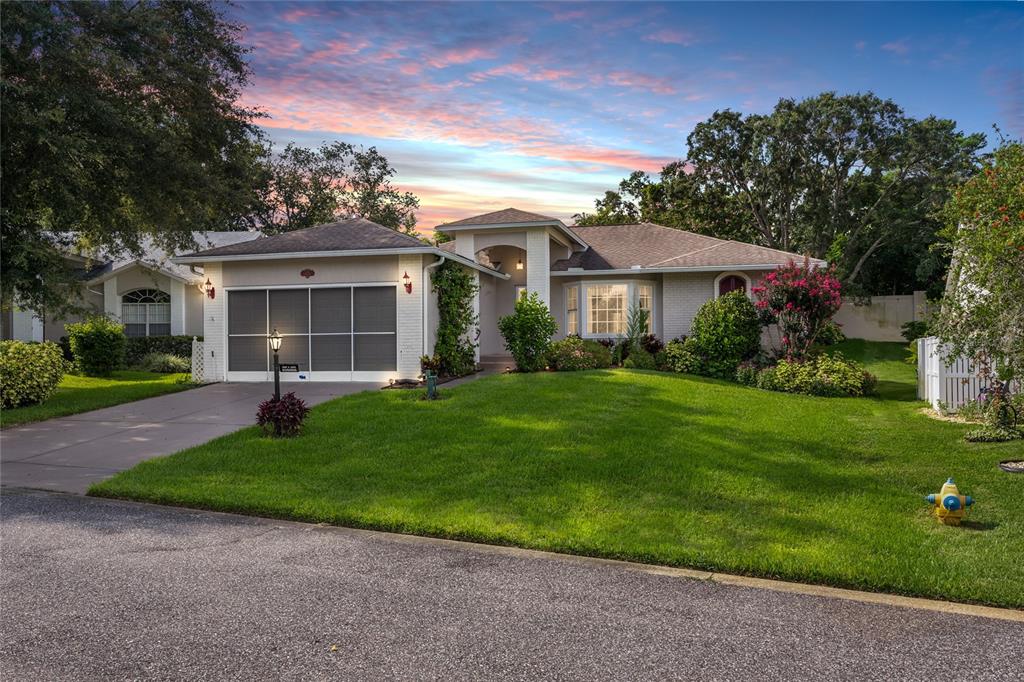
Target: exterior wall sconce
407 281
211 292
519 264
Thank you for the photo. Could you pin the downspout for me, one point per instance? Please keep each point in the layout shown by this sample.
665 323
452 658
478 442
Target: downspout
426 295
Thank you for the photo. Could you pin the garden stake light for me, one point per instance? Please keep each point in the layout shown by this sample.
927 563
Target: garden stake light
431 379
950 505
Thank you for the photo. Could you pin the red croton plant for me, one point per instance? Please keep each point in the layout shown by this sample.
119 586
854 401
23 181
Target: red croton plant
801 300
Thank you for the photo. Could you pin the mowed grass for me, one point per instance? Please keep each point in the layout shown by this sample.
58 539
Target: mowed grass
645 466
81 394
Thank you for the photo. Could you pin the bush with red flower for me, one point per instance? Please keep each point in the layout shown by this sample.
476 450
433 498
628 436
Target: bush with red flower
801 300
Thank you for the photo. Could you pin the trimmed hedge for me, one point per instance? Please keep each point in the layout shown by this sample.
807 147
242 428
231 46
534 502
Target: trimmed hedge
29 372
98 345
725 332
139 347
527 332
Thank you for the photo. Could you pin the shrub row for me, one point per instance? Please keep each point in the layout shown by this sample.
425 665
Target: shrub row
29 372
821 375
138 347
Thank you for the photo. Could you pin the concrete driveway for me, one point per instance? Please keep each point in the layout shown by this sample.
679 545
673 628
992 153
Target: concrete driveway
106 590
71 453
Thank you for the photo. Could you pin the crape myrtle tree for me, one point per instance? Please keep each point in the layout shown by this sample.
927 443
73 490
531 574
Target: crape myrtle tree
801 300
982 314
849 178
120 121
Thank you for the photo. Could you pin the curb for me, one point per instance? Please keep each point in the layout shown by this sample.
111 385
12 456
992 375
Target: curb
727 579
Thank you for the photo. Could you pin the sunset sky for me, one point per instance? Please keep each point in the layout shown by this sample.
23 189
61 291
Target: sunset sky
544 106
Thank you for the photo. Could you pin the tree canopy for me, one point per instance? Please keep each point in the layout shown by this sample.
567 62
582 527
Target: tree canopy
850 178
119 121
305 187
982 314
123 121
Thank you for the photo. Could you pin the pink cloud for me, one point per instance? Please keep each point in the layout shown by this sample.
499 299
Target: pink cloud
641 81
457 55
670 36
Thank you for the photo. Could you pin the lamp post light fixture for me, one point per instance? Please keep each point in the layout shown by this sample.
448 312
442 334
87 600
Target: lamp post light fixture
275 345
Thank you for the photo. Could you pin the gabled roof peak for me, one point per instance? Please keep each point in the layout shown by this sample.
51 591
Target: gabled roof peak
503 217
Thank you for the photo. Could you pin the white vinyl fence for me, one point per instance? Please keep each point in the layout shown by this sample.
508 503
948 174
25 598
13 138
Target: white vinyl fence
197 361
880 318
947 383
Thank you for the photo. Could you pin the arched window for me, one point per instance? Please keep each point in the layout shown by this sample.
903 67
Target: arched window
146 312
731 281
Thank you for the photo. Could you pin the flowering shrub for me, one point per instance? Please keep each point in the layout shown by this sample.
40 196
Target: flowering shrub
822 375
801 300
282 417
29 372
573 353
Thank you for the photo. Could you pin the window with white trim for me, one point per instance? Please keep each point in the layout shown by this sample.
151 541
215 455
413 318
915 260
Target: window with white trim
146 312
572 310
645 301
606 309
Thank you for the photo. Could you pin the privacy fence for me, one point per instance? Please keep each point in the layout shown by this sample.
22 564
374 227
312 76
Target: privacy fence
947 382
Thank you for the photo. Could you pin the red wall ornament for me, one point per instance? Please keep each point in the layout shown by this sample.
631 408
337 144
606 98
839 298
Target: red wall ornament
307 273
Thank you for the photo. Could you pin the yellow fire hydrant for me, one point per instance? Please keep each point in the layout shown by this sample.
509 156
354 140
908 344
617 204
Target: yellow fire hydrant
950 505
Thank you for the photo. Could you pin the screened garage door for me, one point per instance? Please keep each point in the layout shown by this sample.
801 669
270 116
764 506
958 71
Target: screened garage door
332 334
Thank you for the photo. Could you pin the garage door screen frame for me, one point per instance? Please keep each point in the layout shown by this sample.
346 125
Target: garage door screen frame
333 332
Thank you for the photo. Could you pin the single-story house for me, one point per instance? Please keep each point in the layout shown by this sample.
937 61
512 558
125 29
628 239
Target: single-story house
151 295
353 300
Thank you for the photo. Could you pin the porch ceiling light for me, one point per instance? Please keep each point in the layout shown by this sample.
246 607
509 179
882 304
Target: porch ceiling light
275 341
519 264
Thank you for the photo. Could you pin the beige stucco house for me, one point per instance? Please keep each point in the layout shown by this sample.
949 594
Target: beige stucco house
353 302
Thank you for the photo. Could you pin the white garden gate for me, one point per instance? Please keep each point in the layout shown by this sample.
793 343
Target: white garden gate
947 383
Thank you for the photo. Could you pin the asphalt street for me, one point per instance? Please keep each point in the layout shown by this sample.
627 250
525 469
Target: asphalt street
98 589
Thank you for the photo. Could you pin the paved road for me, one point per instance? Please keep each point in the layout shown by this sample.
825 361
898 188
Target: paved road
71 453
96 589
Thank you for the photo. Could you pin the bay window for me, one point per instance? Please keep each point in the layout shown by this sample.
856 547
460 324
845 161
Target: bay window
606 307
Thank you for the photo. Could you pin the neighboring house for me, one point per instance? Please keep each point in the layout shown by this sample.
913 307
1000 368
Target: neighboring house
353 302
150 295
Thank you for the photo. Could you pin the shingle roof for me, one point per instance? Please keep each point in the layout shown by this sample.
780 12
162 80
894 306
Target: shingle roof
353 234
156 257
506 215
620 247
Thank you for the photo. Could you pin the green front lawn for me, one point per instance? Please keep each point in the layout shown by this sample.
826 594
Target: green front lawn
81 394
644 466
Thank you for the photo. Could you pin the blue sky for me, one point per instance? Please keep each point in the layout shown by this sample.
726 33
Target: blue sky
545 105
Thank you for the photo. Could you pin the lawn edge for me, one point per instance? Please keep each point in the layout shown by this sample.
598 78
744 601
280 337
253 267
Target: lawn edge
736 580
186 387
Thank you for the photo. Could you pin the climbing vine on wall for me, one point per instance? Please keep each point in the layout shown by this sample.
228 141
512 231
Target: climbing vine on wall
455 349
